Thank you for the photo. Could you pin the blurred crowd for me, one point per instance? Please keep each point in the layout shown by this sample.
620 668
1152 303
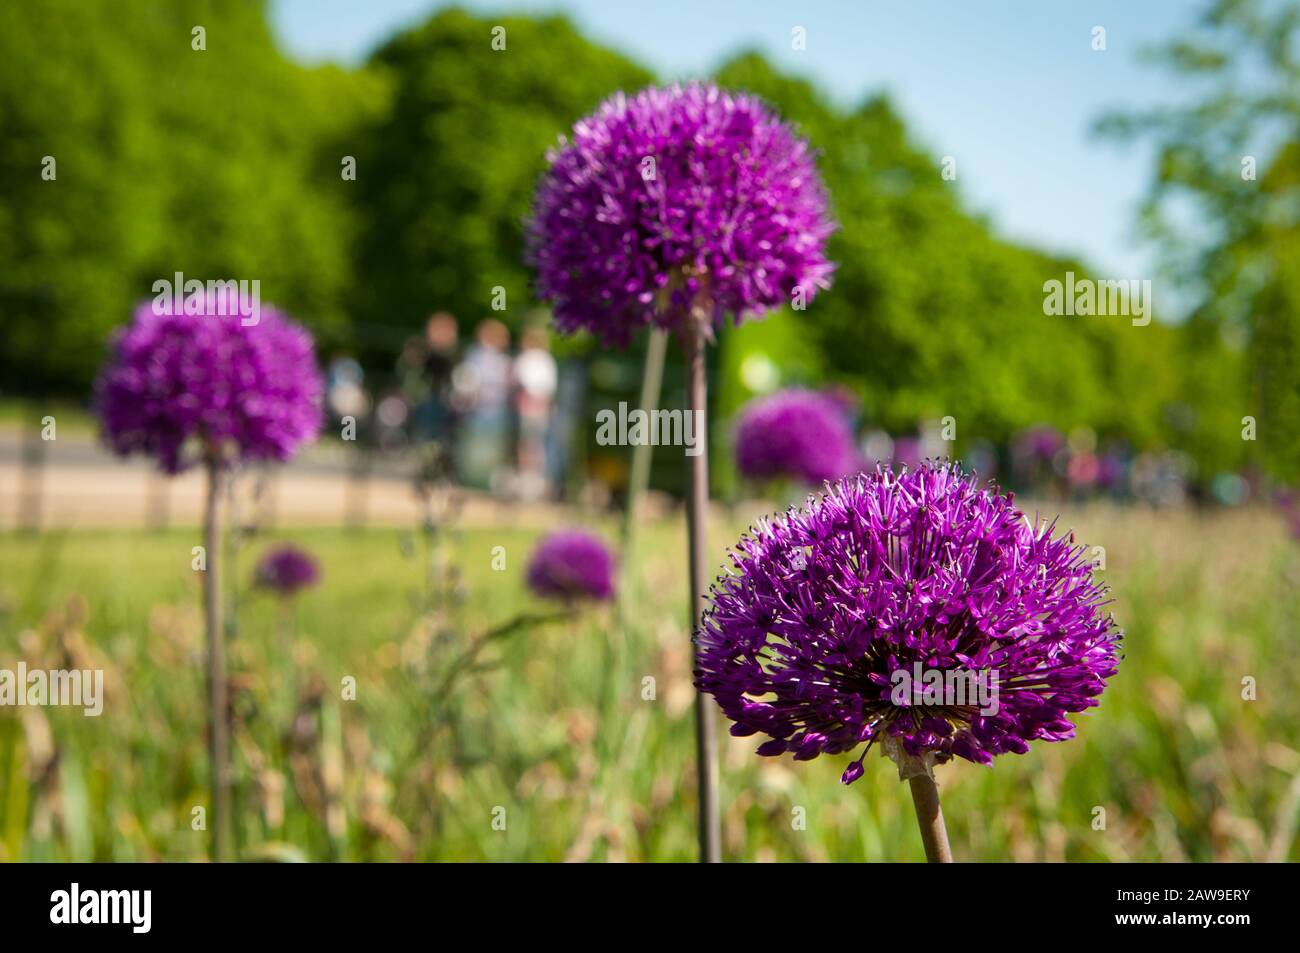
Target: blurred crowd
484 413
1040 460
1050 463
500 413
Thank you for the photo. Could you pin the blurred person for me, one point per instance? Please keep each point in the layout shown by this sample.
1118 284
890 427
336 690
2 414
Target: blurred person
392 422
481 389
345 392
410 369
566 420
398 423
982 457
1162 478
1084 472
877 449
1112 471
442 339
436 415
1039 458
536 378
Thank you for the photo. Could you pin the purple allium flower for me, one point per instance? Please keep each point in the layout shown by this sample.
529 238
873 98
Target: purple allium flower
803 639
676 198
795 433
286 570
571 564
173 378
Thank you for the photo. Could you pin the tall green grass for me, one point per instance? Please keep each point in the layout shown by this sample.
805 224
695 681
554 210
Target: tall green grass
577 734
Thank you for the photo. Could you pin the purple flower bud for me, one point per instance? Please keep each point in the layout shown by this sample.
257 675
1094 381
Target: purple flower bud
572 564
287 570
799 434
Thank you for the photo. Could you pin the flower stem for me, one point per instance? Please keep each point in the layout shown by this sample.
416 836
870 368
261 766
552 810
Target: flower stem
218 710
697 500
925 797
639 478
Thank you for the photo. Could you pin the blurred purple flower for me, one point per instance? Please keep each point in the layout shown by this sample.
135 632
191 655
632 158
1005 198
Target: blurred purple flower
287 570
1041 442
1111 470
676 198
209 378
804 637
571 564
799 434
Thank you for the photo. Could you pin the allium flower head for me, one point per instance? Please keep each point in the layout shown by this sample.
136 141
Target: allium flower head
803 640
799 434
571 564
173 378
673 199
287 570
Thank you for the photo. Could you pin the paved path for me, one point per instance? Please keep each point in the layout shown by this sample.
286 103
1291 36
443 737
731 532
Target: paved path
82 486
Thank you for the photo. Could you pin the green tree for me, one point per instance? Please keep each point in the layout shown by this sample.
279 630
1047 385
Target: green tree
932 314
1227 163
218 162
448 173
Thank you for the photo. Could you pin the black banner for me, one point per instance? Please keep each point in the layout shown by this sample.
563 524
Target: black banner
133 903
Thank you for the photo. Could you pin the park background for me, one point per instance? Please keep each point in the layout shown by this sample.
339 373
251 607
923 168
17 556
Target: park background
226 162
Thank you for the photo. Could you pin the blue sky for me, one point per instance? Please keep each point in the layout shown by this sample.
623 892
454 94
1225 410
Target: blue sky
1009 88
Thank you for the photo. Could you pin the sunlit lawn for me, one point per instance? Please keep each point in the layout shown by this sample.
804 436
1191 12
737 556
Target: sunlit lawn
560 737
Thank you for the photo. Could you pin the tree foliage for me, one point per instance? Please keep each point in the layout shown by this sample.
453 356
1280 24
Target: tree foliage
933 315
1224 209
227 162
218 163
449 170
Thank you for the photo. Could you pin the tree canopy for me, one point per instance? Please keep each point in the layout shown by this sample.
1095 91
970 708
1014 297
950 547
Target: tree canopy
219 157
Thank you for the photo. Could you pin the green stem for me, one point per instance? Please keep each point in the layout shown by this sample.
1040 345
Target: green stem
697 514
642 454
925 798
218 706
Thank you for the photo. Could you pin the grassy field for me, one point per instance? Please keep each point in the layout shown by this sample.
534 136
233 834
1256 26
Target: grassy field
549 732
